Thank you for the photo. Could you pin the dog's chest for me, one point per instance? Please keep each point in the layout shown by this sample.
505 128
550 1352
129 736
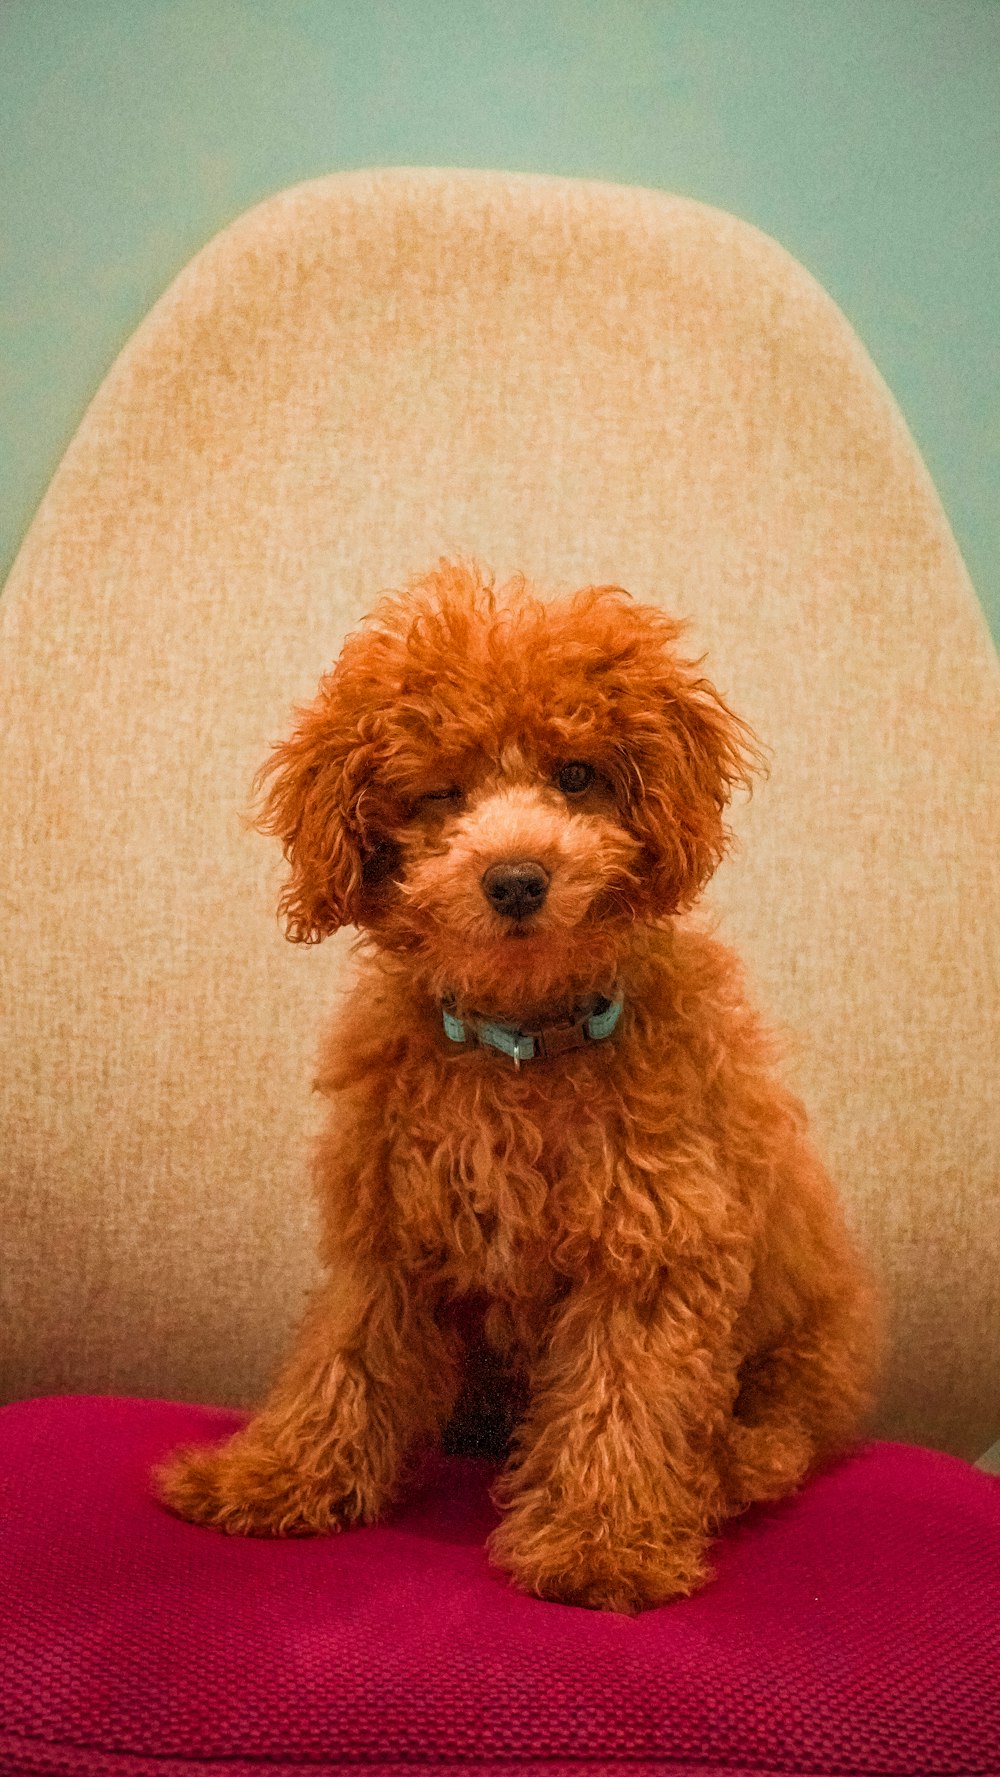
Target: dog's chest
485 1185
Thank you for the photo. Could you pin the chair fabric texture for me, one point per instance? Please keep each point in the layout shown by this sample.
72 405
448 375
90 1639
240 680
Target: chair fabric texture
854 1629
589 384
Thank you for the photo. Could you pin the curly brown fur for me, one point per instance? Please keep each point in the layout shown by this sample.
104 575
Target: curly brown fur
629 1253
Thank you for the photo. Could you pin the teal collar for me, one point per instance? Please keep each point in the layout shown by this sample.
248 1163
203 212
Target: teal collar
540 1044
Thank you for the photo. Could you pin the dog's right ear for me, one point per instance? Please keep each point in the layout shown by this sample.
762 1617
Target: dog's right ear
313 794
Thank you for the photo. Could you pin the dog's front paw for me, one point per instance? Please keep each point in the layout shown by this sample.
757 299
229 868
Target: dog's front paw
576 1563
245 1489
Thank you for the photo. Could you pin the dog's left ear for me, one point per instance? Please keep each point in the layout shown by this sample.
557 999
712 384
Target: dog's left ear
317 793
697 754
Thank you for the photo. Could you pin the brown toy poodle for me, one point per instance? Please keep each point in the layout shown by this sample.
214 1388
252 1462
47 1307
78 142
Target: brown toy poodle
570 1214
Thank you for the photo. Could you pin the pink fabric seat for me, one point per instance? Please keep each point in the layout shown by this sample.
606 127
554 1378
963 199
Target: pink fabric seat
854 1629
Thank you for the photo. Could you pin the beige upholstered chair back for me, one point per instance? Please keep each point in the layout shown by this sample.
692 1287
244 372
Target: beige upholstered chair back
587 383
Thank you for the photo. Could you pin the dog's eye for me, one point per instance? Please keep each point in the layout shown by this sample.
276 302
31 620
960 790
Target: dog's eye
574 777
451 795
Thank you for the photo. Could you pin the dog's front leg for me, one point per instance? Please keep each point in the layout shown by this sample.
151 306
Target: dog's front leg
370 1375
611 1493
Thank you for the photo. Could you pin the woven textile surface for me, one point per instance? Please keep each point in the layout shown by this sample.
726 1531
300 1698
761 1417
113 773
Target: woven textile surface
586 383
854 1629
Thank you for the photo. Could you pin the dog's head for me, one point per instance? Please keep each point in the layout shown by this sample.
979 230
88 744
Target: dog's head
502 788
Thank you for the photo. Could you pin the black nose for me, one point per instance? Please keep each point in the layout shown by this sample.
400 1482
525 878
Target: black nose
517 888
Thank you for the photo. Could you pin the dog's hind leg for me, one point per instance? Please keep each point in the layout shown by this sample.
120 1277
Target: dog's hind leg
372 1375
802 1401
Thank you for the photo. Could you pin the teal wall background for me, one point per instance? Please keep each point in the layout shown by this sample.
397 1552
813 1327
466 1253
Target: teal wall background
862 134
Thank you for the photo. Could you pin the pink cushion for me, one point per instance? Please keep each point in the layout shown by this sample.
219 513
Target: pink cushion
853 1629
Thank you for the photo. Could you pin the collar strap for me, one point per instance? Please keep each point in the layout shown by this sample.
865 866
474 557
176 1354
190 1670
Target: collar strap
540 1044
